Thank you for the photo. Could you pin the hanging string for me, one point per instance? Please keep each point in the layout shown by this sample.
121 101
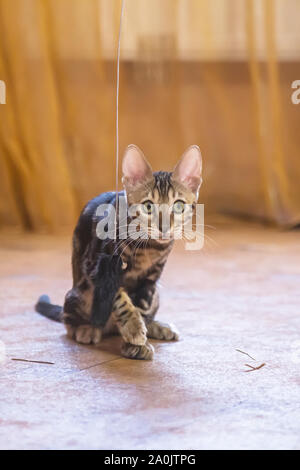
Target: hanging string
117 115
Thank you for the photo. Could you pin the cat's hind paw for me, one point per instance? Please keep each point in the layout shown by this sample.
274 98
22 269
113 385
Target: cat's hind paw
87 334
163 331
132 351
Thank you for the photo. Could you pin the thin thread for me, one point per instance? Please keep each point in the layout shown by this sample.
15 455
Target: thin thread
117 115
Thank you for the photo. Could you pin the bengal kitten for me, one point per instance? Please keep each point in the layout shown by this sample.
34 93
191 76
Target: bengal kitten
115 281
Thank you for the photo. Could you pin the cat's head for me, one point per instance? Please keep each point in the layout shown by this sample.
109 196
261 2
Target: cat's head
173 194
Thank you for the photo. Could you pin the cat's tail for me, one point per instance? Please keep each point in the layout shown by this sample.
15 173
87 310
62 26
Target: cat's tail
45 308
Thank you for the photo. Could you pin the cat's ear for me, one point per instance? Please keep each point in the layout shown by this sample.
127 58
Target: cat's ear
188 170
136 170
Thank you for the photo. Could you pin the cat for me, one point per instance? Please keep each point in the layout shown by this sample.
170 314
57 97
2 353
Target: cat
115 281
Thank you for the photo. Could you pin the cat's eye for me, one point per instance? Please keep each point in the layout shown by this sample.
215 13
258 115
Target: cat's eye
148 207
178 207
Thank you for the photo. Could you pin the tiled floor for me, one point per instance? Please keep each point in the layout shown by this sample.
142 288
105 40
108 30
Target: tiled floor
240 292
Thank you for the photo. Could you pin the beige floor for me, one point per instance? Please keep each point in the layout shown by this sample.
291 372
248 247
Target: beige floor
240 292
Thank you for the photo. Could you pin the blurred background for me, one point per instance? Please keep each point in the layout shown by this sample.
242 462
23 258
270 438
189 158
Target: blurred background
215 73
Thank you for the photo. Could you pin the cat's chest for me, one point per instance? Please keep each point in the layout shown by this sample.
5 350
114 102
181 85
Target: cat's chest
141 262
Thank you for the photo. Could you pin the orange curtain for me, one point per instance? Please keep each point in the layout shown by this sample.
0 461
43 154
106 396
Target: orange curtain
215 73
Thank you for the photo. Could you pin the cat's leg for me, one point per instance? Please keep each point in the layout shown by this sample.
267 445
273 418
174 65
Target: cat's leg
76 315
148 301
88 305
129 320
132 328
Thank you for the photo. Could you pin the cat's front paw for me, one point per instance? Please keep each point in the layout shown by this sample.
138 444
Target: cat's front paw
163 331
134 331
132 351
87 334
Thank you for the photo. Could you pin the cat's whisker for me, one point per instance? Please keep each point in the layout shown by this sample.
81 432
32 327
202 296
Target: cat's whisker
122 244
131 242
193 236
139 243
125 245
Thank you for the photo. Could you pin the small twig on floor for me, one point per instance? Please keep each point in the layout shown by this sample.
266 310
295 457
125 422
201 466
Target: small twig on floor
251 368
239 350
254 368
29 360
